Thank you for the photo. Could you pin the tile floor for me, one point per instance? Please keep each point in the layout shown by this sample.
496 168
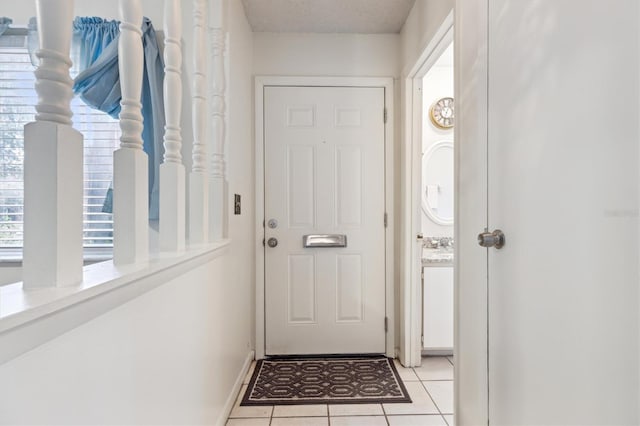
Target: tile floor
430 387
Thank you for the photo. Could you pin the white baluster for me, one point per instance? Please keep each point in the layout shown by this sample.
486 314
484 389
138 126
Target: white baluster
199 181
172 179
130 169
53 170
218 201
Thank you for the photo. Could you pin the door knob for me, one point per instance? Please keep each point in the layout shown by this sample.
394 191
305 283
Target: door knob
491 239
272 242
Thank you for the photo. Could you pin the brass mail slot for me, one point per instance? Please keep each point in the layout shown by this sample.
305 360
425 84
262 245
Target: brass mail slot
324 240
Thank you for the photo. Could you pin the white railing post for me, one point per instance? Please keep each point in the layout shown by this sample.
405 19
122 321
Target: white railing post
53 170
218 200
199 180
130 162
172 179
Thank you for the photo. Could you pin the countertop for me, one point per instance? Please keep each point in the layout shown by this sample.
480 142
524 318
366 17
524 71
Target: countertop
437 257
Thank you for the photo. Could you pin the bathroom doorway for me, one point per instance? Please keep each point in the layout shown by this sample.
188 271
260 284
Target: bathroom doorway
428 206
427 291
436 207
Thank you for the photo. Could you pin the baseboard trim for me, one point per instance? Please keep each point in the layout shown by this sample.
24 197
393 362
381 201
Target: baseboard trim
437 352
228 406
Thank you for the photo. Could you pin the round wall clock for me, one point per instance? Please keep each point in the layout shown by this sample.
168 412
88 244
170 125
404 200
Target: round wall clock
441 113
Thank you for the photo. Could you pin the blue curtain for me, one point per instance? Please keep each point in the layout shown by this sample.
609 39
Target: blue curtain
98 84
4 24
91 36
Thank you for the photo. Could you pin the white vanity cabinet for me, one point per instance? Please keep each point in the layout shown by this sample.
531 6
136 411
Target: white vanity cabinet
438 307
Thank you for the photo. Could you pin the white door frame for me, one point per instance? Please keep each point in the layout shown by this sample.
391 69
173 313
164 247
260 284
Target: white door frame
260 83
411 345
471 385
471 333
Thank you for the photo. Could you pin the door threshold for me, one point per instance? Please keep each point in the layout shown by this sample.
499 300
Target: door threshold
307 356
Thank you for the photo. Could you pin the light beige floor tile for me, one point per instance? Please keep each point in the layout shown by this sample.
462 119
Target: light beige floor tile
300 411
300 421
435 368
417 392
449 419
243 412
416 408
247 377
249 422
421 402
432 420
359 421
406 374
442 394
356 410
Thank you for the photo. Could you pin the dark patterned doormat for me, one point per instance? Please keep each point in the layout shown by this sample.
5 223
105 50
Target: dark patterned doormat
291 381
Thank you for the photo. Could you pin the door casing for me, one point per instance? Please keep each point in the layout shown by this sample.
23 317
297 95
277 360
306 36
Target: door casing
471 385
411 294
387 83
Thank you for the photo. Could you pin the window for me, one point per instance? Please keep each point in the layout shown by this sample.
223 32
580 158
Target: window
17 108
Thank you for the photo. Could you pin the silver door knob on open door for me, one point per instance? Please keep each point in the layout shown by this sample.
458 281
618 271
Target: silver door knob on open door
491 239
272 242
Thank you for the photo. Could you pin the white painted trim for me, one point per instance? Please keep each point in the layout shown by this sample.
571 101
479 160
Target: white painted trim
235 390
389 166
411 289
388 85
432 49
31 318
259 207
471 387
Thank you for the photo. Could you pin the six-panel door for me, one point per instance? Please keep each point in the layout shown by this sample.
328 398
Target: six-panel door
324 175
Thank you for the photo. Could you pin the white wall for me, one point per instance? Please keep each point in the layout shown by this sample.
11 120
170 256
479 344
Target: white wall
240 169
167 357
172 355
421 25
10 273
362 55
353 55
437 84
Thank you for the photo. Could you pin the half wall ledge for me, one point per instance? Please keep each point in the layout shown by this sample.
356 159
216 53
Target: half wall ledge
29 318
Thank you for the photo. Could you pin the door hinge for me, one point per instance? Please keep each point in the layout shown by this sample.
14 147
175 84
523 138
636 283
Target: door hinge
385 115
386 324
386 219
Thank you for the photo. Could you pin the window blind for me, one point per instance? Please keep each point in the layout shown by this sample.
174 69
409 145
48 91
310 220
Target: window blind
101 137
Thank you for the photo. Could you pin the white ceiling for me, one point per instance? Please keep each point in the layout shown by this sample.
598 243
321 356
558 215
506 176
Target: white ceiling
327 16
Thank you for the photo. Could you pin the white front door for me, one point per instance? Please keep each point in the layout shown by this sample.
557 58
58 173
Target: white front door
324 175
563 180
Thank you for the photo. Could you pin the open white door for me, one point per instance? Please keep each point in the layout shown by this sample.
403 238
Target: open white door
563 184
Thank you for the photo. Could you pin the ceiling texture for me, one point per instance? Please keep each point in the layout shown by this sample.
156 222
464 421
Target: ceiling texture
327 16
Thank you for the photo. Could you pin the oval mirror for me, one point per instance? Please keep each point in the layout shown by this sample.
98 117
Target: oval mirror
437 182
